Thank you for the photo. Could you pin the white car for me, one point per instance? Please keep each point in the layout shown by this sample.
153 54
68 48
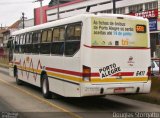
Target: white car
155 67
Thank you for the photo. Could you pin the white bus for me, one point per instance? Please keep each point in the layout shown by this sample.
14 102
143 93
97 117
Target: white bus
84 55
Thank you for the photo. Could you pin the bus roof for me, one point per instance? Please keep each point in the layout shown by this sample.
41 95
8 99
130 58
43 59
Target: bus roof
73 19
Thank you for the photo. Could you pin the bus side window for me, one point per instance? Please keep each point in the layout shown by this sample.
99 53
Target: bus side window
11 47
36 37
22 44
28 43
16 43
46 41
73 38
57 47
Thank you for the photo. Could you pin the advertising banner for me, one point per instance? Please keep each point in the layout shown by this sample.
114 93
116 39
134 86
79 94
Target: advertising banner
119 32
152 24
148 13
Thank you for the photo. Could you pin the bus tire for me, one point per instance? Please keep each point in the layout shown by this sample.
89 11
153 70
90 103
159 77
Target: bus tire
18 82
45 87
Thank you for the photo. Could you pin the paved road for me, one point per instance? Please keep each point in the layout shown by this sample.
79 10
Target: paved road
28 102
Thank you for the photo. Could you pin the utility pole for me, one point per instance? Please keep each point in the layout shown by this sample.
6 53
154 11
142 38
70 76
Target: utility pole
23 20
114 6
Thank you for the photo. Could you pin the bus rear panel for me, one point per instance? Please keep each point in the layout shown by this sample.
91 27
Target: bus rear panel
118 55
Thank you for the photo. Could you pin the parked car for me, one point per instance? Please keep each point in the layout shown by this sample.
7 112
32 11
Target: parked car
155 67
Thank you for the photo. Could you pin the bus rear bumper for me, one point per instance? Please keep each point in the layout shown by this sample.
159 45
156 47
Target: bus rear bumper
88 89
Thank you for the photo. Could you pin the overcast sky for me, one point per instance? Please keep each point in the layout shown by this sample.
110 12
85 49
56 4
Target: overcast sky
11 10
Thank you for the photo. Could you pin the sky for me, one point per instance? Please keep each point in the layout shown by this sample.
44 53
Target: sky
11 10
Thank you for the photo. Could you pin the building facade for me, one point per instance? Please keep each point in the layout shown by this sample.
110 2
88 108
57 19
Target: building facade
142 8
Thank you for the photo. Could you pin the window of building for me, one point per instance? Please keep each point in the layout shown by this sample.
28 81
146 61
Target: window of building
151 5
155 5
73 36
107 11
135 8
120 10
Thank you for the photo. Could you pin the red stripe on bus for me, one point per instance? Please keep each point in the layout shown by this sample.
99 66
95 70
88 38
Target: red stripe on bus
70 72
115 47
124 74
95 75
64 71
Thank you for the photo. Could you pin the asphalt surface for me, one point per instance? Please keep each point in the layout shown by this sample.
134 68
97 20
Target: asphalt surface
4 107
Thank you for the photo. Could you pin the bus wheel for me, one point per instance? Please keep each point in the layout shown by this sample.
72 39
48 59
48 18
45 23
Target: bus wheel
19 82
45 87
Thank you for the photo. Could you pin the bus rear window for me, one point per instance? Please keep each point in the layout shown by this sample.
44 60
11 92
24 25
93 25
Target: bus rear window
119 32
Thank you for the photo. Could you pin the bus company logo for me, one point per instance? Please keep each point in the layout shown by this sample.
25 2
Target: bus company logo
130 61
109 70
125 42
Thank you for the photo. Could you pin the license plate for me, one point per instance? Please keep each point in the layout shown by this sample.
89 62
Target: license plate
119 90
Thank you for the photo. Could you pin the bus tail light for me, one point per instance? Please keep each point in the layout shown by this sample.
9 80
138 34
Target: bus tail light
86 73
149 73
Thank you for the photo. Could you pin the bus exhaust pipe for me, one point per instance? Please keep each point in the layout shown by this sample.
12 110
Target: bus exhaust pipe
102 91
137 91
